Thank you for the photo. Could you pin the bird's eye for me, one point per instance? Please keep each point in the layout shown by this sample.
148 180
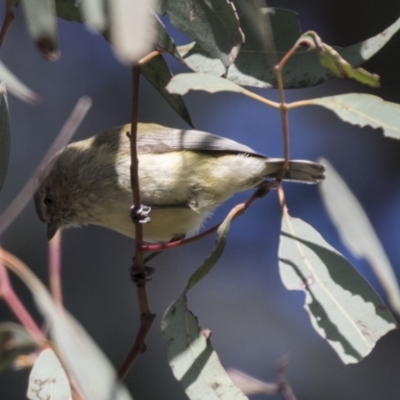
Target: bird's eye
48 201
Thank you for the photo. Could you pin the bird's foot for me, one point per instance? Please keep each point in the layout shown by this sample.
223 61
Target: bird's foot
141 215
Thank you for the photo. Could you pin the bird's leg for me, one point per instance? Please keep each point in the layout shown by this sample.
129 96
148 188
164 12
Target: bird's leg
141 215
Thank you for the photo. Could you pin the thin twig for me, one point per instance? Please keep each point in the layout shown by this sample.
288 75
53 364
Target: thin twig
16 306
8 18
24 196
146 316
260 192
54 251
284 386
150 56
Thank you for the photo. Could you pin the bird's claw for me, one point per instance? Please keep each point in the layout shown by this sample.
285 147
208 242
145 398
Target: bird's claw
141 215
140 278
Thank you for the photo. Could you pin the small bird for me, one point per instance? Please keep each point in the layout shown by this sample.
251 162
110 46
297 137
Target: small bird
183 174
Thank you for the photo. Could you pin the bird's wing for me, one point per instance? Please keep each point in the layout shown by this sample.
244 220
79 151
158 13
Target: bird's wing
154 138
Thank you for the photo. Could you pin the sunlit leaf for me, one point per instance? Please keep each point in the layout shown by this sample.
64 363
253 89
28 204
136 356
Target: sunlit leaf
364 110
5 136
42 24
132 28
48 379
213 24
16 87
94 14
157 72
343 308
356 230
14 341
82 357
194 362
183 83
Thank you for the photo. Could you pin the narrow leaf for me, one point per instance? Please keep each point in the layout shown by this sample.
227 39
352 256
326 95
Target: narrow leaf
14 341
183 83
164 40
48 379
68 10
213 24
343 308
42 24
5 137
250 386
193 360
363 110
357 232
132 28
157 72
16 87
93 12
82 357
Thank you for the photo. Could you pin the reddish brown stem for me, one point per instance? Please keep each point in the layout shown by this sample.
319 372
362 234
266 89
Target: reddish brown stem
54 251
146 316
8 18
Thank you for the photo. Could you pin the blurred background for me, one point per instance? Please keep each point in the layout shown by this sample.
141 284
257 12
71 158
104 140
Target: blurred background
254 320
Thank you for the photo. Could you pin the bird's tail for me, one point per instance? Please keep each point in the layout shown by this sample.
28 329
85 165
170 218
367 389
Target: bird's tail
302 171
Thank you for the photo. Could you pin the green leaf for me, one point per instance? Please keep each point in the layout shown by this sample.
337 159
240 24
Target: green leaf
5 137
48 379
14 341
164 41
254 64
94 13
194 362
213 24
356 231
157 72
68 10
82 357
343 308
16 87
363 110
42 24
183 83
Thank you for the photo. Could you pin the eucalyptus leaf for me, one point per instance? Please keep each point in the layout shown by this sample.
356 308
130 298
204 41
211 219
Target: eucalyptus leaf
343 308
68 10
42 24
84 360
94 13
194 362
183 83
48 379
254 64
356 231
364 110
213 24
5 136
157 72
16 87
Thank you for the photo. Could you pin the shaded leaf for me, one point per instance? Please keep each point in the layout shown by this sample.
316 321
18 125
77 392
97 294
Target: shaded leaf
343 308
363 110
132 28
5 137
253 66
14 341
356 230
42 24
164 40
68 10
16 87
82 357
213 24
93 12
183 83
193 360
157 72
48 379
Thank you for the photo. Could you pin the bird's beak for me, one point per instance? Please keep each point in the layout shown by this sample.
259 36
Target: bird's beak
52 229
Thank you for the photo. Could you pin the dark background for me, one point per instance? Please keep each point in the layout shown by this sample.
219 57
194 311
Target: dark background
254 320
